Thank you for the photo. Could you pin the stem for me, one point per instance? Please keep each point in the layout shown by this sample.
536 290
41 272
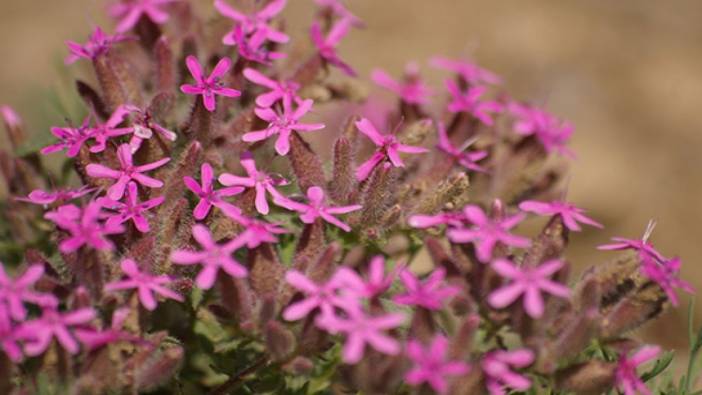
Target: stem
236 379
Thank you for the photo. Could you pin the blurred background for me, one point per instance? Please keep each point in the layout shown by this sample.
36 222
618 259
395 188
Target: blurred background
627 73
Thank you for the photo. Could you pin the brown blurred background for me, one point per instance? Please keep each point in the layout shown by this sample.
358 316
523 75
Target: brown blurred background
627 73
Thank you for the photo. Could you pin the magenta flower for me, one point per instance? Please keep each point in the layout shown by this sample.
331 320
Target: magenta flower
551 132
469 71
39 333
316 208
485 233
338 8
144 127
282 124
259 180
470 102
85 227
327 45
467 159
130 11
388 147
210 86
131 209
497 366
93 339
279 90
126 173
145 283
70 139
254 24
429 294
252 47
627 379
98 44
9 338
255 231
570 214
45 198
362 330
324 297
528 282
431 365
423 221
14 292
411 89
212 257
642 246
665 274
208 195
102 132
376 284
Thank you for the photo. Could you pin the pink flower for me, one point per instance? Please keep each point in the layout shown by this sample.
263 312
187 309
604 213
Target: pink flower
497 366
144 127
388 147
14 292
279 90
324 297
338 8
98 44
10 117
146 285
256 232
45 198
208 195
626 377
485 233
528 282
411 89
131 209
52 323
317 208
362 330
252 47
570 214
210 86
642 246
130 11
259 180
423 221
102 132
254 24
8 339
93 339
551 132
665 274
85 227
469 71
431 365
464 158
126 173
327 46
71 139
212 257
282 124
377 284
429 294
470 102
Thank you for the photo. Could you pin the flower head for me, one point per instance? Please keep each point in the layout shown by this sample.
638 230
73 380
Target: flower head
144 126
45 198
98 44
127 172
327 45
422 221
256 231
666 275
38 333
467 159
644 248
279 90
209 86
528 282
212 257
145 283
627 379
85 227
131 209
317 208
430 294
469 71
93 339
102 132
70 139
388 147
324 296
256 23
553 133
497 366
570 214
252 47
15 292
471 103
411 89
130 11
431 364
208 195
377 282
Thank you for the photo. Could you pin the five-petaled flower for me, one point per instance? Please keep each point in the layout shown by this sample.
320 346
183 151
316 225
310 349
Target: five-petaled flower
70 138
422 221
665 274
570 214
45 198
255 23
93 339
627 378
430 294
327 45
470 102
85 227
279 90
317 208
325 297
37 334
411 89
130 209
257 179
527 282
376 284
209 86
549 130
485 232
497 366
431 364
389 147
255 231
145 283
208 195
469 71
642 246
104 131
212 257
98 44
283 124
130 11
467 159
144 125
14 292
126 173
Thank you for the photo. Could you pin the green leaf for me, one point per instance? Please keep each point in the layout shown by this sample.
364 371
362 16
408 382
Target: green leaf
661 365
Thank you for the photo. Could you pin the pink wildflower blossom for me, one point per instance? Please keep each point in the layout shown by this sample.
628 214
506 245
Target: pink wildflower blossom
85 227
469 71
98 44
130 11
252 47
102 132
93 339
257 179
427 221
316 208
627 378
467 159
665 274
327 45
70 139
283 124
9 338
485 233
376 284
212 257
411 89
570 214
528 282
126 173
431 364
14 292
388 147
471 103
551 132
131 209
256 23
45 198
210 86
642 246
337 8
144 126
279 90
145 283
430 294
256 231
497 366
324 297
208 195
39 333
